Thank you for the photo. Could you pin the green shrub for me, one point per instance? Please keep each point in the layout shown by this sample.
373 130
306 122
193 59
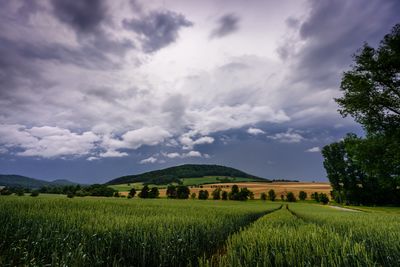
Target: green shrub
323 198
224 195
290 197
272 195
302 195
216 194
263 196
203 194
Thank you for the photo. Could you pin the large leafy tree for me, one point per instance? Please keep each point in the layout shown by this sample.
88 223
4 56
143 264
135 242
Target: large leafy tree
171 191
182 192
372 87
367 170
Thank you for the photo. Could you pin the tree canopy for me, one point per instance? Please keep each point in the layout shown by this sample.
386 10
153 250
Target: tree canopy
367 170
372 87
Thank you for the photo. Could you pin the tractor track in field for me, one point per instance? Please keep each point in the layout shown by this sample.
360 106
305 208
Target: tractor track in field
220 251
344 209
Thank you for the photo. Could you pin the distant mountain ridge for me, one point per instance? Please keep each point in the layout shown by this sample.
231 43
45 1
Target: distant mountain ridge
12 180
183 171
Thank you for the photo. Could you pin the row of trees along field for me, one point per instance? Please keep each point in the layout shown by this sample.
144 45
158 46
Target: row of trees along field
366 170
173 191
236 193
70 190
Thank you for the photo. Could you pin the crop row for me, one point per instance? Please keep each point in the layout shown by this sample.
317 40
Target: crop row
322 238
379 232
117 232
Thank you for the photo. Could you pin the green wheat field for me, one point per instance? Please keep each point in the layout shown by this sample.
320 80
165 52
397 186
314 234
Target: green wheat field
55 231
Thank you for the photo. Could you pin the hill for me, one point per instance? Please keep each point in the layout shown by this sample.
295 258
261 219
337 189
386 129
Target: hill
12 180
174 174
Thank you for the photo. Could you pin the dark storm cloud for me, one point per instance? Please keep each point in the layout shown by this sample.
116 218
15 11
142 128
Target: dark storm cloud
333 32
20 59
157 29
12 64
83 15
86 18
227 24
19 66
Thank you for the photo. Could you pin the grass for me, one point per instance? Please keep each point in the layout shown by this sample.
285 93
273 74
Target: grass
378 232
214 180
392 210
281 239
120 232
314 235
92 231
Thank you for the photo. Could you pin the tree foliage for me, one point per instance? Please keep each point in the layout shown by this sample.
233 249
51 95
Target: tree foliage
367 170
182 192
171 191
203 194
263 196
146 192
372 88
216 194
323 198
272 195
240 194
132 192
290 197
302 195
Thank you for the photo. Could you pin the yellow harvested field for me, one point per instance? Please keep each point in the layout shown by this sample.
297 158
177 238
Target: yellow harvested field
258 188
278 187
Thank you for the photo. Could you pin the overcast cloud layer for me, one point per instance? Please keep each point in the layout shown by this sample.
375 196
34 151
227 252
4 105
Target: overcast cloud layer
94 89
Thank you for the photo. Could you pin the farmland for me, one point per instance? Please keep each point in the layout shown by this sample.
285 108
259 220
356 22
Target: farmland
93 231
190 181
311 235
101 232
279 187
208 183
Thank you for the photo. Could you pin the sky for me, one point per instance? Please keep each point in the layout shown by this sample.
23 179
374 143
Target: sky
91 90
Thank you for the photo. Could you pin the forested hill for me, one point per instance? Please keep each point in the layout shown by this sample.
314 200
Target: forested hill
11 180
173 174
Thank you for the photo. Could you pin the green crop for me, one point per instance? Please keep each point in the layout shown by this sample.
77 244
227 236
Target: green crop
313 235
57 231
379 232
117 232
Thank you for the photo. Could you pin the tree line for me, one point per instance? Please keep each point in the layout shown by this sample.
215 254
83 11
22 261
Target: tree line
69 190
172 192
366 170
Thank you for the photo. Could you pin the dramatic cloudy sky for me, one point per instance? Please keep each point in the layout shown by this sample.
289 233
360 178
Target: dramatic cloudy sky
94 89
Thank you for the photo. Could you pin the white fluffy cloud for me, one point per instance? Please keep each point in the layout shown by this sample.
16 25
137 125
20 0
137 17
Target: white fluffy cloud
290 136
255 131
314 149
188 143
47 142
192 153
113 154
173 155
50 142
148 160
132 140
